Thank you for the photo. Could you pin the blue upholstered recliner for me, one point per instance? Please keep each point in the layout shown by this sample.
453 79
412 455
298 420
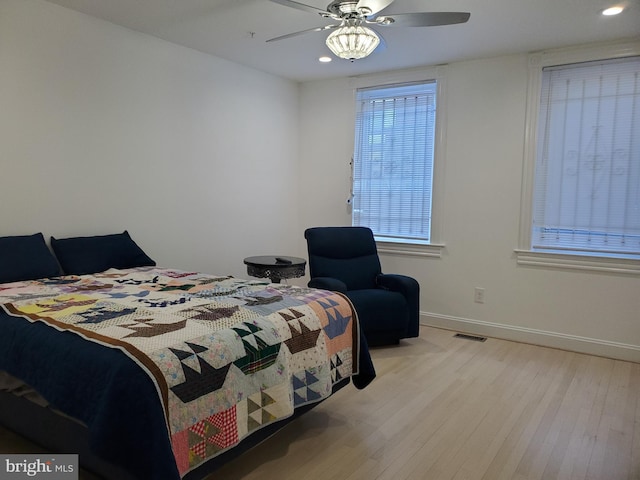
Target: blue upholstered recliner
345 259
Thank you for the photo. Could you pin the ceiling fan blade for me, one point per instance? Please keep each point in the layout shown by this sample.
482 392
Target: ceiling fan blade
425 19
295 34
372 6
300 6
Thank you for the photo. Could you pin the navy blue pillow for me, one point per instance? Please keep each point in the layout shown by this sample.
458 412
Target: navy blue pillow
26 257
86 255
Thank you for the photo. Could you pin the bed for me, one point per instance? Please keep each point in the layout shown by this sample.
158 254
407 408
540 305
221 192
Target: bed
157 373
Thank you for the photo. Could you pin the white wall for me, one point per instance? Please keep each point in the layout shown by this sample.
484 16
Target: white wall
480 181
103 129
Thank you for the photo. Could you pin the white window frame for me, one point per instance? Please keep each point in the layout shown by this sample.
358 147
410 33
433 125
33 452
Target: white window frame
435 246
524 253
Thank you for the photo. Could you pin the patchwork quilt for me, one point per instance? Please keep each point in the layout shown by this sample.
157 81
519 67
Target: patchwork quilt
227 356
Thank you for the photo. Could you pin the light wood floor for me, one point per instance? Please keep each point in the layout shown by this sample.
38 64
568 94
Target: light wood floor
444 408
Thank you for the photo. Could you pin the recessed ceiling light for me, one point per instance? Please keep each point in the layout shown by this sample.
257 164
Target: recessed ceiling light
324 59
612 11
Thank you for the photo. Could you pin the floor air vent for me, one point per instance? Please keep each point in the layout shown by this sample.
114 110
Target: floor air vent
475 338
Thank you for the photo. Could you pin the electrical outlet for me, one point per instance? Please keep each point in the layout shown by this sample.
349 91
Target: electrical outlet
478 295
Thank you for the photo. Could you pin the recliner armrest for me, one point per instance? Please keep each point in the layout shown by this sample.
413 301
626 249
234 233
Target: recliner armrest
328 283
408 286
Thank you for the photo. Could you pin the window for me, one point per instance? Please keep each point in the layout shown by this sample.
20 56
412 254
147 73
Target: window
586 193
393 160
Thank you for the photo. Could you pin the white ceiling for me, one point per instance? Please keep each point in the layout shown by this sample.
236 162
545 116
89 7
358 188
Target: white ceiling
237 30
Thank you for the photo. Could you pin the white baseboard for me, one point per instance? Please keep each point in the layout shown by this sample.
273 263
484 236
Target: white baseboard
591 346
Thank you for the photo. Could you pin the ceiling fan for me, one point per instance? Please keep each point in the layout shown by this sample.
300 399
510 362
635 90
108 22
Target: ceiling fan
351 38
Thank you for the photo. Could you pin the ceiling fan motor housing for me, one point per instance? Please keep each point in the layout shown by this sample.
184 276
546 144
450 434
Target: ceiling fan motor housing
347 9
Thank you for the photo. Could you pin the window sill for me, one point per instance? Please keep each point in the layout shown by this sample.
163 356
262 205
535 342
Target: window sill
413 249
578 262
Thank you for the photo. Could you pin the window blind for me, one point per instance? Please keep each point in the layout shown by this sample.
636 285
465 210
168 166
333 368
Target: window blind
587 184
393 160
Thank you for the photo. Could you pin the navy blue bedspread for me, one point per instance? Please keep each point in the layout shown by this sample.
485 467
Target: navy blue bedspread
89 382
105 389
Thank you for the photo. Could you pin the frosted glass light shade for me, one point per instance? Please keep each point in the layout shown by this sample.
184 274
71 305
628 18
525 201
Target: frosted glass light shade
352 42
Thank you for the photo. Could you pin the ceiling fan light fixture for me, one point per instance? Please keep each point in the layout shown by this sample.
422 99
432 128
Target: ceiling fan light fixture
352 42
